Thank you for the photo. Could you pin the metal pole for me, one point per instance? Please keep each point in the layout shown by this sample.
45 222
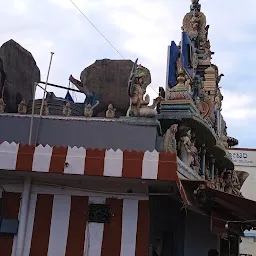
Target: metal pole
23 217
42 104
46 83
32 115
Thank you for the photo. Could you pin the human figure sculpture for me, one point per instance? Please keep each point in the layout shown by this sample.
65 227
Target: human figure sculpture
22 107
196 87
67 111
236 184
110 113
195 164
2 106
88 111
195 22
170 144
136 91
184 146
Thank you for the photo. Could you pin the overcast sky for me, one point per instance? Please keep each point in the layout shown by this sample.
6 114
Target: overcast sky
143 29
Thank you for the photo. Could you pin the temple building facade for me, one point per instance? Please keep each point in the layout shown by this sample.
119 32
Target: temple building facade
116 176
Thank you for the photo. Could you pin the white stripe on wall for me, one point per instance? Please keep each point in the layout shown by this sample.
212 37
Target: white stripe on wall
94 232
59 225
42 158
30 224
129 227
113 163
76 160
8 155
150 165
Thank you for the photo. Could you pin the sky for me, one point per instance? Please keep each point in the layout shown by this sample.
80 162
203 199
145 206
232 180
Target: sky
139 29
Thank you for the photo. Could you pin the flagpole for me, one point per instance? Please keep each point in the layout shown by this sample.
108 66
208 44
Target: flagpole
46 84
42 104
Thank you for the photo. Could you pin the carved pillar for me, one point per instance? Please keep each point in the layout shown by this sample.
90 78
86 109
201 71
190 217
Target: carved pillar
210 82
203 152
212 166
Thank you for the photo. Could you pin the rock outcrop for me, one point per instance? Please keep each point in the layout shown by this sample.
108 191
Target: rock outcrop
18 72
109 79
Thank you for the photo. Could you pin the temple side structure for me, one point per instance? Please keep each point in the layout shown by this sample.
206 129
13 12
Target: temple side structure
135 179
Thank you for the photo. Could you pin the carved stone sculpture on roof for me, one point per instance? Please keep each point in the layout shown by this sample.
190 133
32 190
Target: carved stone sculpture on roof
136 90
22 107
232 183
67 111
224 137
184 146
170 144
2 106
194 22
188 84
195 163
110 113
197 87
88 111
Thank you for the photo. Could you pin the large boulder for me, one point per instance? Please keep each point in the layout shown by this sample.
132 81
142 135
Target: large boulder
18 73
109 79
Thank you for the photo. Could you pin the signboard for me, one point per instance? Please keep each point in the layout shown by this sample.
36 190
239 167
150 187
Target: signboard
243 157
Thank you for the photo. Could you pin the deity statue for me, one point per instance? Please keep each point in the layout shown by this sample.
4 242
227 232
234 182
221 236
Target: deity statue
217 180
196 87
110 113
2 106
195 22
67 111
236 184
45 109
88 111
195 162
136 91
188 83
207 173
170 144
208 53
22 107
184 146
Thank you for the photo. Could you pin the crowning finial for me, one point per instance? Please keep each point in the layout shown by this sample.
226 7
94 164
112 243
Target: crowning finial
195 6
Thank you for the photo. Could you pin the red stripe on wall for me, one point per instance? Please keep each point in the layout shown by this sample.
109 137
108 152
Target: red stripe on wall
25 158
94 162
58 159
142 238
11 205
167 166
132 164
42 225
77 226
112 234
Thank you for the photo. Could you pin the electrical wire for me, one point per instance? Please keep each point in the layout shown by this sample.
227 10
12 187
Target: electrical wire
96 28
103 35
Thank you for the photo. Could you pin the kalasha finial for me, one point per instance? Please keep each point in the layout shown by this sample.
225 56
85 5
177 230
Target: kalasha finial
195 6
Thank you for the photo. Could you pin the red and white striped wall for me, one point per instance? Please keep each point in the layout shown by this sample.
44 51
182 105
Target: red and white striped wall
57 226
80 161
